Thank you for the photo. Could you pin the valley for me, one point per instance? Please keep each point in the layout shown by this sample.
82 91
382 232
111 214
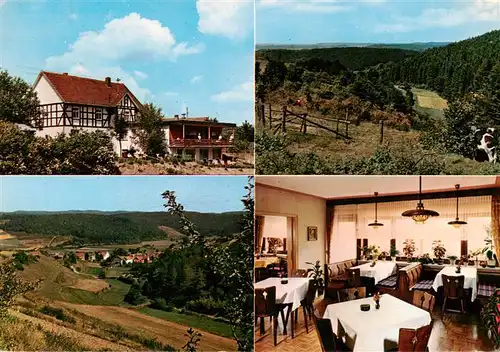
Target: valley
408 111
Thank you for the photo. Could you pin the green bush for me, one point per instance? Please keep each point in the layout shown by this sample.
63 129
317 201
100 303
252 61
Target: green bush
57 313
207 306
160 303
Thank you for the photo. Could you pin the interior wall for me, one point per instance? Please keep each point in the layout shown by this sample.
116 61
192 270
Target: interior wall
274 227
309 211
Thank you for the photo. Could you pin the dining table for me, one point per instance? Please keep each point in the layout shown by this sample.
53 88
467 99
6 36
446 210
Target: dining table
379 271
470 278
289 294
375 329
263 262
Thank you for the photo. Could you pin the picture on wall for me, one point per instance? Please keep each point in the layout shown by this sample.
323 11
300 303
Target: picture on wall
312 233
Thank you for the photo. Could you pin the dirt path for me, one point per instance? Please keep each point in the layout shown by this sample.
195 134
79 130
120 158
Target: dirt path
89 341
166 332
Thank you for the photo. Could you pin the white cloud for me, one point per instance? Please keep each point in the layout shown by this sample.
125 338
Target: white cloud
124 39
312 6
140 74
462 14
2 2
196 79
231 19
73 17
242 92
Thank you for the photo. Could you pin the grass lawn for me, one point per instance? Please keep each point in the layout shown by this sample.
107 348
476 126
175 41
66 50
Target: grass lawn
111 297
196 322
429 102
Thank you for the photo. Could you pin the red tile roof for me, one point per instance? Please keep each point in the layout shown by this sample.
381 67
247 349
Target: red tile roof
87 91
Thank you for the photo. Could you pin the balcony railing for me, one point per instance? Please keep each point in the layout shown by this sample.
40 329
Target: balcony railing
200 142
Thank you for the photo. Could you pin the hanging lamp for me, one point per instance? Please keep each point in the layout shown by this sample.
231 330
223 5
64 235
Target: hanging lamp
375 225
457 223
420 214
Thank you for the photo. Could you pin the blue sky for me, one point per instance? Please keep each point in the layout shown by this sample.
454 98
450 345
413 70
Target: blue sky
373 21
110 193
197 54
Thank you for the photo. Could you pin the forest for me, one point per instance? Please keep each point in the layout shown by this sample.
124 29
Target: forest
369 89
115 228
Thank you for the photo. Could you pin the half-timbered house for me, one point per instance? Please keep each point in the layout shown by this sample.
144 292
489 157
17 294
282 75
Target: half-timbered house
70 102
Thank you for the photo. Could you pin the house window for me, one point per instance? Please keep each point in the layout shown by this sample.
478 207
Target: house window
126 115
75 114
98 114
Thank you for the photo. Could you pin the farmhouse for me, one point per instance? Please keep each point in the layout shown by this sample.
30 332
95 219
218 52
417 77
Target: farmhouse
70 102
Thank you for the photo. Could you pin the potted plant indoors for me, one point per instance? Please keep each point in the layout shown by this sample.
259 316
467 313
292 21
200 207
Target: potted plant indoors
316 274
490 316
489 249
439 251
409 248
425 259
453 259
394 252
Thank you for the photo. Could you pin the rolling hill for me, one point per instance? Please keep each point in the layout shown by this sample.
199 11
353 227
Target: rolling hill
121 227
417 46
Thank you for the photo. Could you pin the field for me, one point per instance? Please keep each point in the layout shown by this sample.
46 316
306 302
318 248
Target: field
90 314
190 168
429 102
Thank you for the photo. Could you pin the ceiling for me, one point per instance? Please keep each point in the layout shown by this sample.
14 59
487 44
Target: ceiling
338 187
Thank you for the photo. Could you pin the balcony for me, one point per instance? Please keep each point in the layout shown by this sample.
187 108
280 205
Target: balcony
184 143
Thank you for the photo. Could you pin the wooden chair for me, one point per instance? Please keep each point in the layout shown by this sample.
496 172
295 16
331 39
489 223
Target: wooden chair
307 304
329 341
453 289
261 274
349 294
354 277
424 300
299 273
265 306
415 340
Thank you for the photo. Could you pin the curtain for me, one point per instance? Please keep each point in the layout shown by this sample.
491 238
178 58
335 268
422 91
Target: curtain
495 223
329 228
259 230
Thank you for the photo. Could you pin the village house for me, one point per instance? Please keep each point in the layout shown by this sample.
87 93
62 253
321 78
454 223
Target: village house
70 102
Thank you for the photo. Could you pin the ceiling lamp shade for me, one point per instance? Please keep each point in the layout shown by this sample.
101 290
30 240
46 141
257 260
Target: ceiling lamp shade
420 214
457 223
375 225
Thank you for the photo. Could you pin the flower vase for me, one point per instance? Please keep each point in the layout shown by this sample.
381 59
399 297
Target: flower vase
377 304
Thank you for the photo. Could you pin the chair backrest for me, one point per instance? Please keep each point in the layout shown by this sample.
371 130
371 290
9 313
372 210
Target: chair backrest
261 274
311 293
299 273
354 277
453 286
326 336
265 301
414 340
349 294
424 300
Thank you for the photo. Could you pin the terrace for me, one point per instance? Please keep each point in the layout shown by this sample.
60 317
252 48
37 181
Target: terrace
433 274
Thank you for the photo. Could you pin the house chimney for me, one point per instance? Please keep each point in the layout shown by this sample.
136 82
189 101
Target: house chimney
108 81
176 117
65 73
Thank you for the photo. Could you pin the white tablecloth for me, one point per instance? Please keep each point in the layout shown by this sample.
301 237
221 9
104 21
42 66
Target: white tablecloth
380 271
470 280
376 329
291 293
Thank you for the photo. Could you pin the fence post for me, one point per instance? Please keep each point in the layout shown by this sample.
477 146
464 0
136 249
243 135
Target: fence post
347 129
305 123
283 126
263 114
381 131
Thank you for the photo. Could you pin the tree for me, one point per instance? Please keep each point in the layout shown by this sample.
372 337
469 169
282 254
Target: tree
120 130
18 101
233 261
11 286
149 133
245 132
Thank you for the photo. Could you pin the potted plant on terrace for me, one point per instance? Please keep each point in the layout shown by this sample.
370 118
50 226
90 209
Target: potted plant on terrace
439 251
316 274
409 248
394 252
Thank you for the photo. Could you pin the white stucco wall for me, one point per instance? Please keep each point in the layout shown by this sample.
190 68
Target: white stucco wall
309 210
45 92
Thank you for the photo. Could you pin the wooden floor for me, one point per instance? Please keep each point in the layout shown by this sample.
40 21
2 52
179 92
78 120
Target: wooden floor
454 332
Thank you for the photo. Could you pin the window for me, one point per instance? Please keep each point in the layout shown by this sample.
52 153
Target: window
98 114
126 115
343 240
75 114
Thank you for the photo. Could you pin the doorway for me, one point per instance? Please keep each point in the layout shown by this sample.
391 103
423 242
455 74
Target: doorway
274 246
